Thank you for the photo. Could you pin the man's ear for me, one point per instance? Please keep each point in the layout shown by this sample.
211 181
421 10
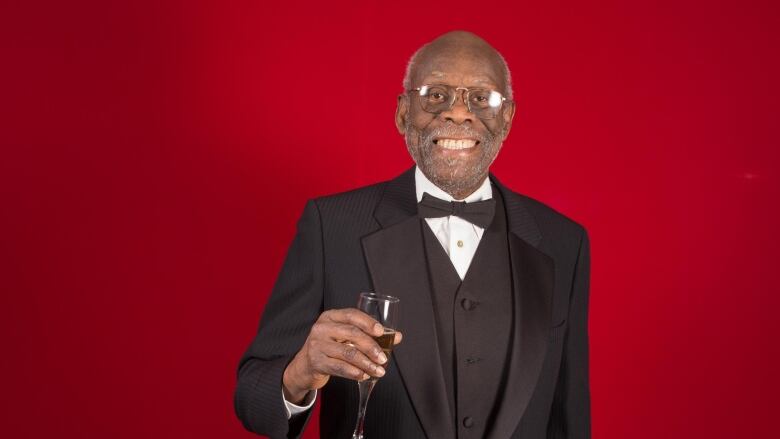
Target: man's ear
401 113
508 113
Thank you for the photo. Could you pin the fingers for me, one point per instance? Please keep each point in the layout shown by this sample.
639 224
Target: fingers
350 354
342 343
355 317
340 332
333 367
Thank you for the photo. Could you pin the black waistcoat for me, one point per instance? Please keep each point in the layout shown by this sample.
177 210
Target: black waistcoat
473 323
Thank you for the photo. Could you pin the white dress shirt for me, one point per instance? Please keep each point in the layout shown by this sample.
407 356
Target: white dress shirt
458 237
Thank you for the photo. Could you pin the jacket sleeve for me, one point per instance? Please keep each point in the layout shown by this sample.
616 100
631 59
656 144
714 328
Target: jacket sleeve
570 415
293 307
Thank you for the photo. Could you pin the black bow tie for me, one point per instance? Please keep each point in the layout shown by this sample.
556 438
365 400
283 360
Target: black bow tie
479 213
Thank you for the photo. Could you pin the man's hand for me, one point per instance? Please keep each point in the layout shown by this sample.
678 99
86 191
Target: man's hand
340 343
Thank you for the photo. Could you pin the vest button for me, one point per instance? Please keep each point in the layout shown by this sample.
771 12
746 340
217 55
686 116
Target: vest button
468 422
468 304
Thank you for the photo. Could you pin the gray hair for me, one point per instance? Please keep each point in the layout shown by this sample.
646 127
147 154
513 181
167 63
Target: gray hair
413 61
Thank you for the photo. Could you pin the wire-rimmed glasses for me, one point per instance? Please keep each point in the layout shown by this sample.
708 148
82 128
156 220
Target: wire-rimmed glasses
482 102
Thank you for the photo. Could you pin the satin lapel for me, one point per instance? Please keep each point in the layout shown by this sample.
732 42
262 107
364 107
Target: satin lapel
533 279
396 262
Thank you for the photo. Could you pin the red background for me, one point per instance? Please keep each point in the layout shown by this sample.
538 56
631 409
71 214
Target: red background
142 144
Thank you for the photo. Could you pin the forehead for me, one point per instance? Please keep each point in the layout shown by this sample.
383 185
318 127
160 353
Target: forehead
460 68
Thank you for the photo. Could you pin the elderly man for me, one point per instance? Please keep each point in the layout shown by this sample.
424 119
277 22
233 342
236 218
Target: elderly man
493 285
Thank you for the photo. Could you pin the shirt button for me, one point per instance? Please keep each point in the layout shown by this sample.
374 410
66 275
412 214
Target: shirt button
460 243
468 422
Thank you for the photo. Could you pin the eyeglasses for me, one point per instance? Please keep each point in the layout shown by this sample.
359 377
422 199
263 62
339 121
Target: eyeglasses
482 102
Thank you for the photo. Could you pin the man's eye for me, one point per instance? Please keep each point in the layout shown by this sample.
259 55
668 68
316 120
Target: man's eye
480 99
436 96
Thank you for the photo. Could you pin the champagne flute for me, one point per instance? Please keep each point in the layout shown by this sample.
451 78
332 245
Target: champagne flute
385 310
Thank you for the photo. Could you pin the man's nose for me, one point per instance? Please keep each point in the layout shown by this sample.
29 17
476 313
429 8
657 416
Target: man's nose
459 113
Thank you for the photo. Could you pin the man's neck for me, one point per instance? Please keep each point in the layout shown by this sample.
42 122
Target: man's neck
483 191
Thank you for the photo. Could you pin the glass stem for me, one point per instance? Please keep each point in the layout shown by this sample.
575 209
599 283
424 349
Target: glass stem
365 387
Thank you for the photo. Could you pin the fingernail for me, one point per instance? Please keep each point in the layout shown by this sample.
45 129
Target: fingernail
380 371
378 328
382 358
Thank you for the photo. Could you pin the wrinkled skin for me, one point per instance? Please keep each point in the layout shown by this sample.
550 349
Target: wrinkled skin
459 59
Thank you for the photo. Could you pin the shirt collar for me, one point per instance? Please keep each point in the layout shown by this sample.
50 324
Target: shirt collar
422 184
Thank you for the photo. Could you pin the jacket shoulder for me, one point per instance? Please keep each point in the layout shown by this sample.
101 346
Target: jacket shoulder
352 204
547 215
551 223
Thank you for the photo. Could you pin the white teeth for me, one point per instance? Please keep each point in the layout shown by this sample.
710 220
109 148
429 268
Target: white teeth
456 144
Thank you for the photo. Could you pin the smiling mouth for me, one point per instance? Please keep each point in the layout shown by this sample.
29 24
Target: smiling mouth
447 143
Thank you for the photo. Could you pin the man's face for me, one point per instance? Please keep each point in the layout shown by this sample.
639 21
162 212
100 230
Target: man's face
454 148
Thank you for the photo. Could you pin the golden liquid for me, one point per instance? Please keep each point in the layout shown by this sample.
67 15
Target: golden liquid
385 341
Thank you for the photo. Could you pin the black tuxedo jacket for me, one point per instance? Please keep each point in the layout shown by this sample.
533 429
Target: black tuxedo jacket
371 239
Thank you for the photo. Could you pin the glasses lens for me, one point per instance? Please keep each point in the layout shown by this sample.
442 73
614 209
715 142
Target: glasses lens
435 98
484 103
